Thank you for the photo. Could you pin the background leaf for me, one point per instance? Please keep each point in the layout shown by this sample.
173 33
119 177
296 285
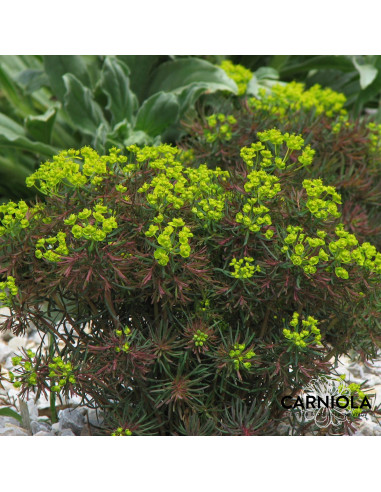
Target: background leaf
174 76
13 135
40 127
84 112
157 113
122 102
367 73
56 66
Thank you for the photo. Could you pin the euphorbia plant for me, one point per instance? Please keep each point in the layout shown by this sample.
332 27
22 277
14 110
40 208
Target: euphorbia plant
189 299
347 150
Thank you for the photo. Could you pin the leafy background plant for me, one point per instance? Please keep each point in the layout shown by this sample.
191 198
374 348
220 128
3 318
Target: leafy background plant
49 103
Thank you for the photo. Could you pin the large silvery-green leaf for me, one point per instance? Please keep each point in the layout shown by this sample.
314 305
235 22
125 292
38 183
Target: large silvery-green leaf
367 73
57 66
141 69
80 105
174 76
40 127
122 102
13 135
157 113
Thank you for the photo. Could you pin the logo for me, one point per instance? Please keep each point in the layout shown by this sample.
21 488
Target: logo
329 402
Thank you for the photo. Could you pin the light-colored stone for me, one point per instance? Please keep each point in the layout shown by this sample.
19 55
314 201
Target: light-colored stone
43 433
67 432
56 428
71 419
370 428
13 430
94 418
5 352
38 427
4 421
16 343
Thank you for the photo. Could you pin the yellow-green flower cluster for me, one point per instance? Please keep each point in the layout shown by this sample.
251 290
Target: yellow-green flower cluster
93 223
346 250
52 248
13 213
27 372
61 373
168 241
254 218
304 248
340 122
269 161
244 268
67 167
123 335
210 208
200 338
262 185
354 389
293 97
122 432
220 127
321 208
176 185
8 289
309 334
14 216
248 154
239 74
374 136
241 356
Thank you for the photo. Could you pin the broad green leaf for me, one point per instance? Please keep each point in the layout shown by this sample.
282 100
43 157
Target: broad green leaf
12 93
279 61
122 102
31 80
367 73
13 173
100 137
8 412
13 135
56 66
157 113
174 76
141 69
368 94
85 113
189 96
339 62
265 73
138 138
40 127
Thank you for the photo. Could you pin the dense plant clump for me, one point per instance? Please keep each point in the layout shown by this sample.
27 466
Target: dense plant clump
190 296
346 150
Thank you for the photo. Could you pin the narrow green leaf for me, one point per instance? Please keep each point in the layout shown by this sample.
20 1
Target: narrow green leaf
56 66
157 113
84 112
115 83
8 412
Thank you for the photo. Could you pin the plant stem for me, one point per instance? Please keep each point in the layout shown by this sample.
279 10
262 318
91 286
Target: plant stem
52 396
